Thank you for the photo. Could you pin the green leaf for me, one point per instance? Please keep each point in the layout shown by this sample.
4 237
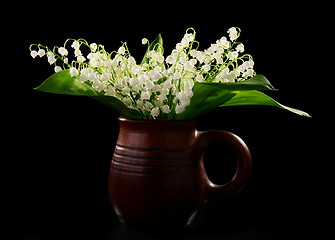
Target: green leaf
62 83
118 106
258 98
206 97
156 45
258 82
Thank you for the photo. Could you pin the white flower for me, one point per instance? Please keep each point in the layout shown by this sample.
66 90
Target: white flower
180 108
147 106
62 51
149 85
92 76
165 109
185 41
140 104
105 77
213 48
170 59
77 53
154 75
194 53
223 42
193 62
108 63
91 56
170 70
246 65
159 58
199 78
248 73
131 61
206 68
161 97
156 56
157 88
145 95
166 85
222 75
232 33
121 50
158 69
189 66
81 59
179 46
176 76
100 86
83 77
250 63
96 63
232 55
50 54
134 82
240 48
33 53
242 67
182 60
188 37
86 71
41 52
231 76
142 78
74 72
218 58
136 69
155 112
94 46
110 91
144 41
51 58
126 90
75 45
57 69
126 101
184 98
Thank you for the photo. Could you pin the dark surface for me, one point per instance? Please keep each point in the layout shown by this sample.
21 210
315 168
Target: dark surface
58 148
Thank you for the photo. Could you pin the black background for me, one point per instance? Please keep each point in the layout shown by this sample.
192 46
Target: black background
60 147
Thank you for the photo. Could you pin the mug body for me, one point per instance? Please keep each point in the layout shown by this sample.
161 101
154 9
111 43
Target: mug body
155 178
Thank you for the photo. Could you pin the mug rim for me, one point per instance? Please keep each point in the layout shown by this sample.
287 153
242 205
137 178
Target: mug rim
125 119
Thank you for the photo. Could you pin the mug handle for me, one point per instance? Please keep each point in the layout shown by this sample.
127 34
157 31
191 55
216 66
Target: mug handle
243 159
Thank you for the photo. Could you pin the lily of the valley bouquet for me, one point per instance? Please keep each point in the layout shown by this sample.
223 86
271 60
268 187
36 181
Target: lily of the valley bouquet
183 85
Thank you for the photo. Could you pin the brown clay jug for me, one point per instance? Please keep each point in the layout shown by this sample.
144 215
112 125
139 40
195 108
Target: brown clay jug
157 175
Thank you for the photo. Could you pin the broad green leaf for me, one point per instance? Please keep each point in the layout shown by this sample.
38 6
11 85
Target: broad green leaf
258 98
258 82
62 83
206 97
156 45
118 106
